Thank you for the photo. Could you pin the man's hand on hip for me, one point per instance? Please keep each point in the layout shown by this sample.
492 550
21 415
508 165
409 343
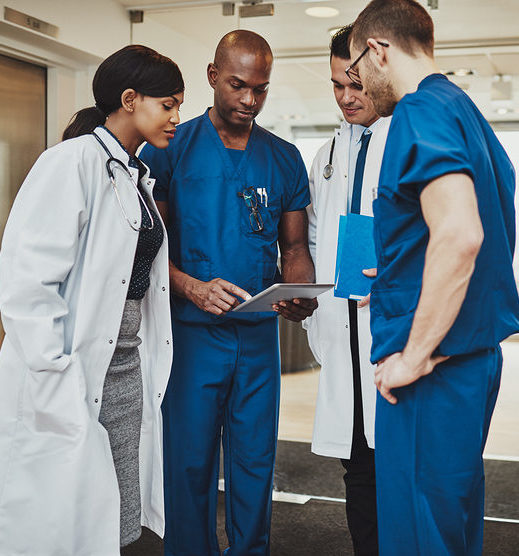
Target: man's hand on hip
396 370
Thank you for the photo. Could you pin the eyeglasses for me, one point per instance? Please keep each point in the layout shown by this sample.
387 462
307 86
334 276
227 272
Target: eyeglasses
249 196
352 72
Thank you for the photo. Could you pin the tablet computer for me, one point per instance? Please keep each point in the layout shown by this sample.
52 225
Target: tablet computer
264 300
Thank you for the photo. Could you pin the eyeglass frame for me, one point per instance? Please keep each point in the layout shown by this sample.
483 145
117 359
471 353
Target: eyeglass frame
249 194
347 71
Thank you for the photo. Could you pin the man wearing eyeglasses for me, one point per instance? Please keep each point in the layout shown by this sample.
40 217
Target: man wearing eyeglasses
230 192
445 294
341 180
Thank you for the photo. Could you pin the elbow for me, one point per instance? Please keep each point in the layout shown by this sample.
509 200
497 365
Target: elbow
468 245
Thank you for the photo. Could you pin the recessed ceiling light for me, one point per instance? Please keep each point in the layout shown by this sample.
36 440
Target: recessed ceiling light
321 11
461 72
503 111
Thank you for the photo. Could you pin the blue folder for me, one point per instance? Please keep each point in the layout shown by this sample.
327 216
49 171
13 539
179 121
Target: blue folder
355 252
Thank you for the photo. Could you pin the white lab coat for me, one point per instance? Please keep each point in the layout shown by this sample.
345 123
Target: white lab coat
65 265
328 328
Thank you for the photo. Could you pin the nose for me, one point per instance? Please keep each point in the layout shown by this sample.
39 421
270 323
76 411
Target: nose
349 96
175 117
248 99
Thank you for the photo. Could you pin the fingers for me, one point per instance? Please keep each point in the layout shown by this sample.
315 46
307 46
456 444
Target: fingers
233 289
386 394
370 272
297 309
364 301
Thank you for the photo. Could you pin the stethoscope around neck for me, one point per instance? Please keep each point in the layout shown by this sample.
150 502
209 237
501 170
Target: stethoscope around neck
112 160
328 169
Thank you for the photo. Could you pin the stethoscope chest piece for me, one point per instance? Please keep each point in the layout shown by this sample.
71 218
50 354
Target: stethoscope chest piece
328 171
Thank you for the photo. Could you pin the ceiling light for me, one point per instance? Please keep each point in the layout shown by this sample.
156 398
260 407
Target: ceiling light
322 11
461 72
503 111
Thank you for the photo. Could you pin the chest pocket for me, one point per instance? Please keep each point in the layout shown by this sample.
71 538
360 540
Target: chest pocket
260 213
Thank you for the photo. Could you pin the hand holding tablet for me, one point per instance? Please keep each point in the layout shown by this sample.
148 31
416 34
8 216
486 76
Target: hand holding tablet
264 300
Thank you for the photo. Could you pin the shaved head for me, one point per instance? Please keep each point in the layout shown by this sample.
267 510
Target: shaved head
245 41
240 76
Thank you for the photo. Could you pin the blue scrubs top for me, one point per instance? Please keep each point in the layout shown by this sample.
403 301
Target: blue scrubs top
437 131
210 234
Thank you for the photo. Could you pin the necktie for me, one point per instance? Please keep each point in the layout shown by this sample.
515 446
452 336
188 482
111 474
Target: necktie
359 173
358 414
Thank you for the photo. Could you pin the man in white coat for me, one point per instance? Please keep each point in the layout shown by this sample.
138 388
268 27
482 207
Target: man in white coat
342 179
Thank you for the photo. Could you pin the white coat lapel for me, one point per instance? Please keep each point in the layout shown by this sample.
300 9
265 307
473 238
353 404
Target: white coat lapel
341 158
373 163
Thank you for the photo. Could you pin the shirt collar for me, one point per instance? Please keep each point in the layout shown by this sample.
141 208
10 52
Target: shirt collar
430 79
358 130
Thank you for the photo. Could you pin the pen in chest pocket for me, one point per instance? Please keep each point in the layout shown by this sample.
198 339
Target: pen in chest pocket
263 196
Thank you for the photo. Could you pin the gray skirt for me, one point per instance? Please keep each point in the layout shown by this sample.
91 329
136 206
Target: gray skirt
121 416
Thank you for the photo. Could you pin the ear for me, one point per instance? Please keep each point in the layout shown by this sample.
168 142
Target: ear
377 53
128 98
212 74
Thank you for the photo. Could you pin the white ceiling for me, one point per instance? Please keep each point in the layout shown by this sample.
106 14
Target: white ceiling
481 35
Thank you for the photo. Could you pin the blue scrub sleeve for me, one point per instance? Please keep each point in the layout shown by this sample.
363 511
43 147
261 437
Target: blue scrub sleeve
427 143
159 163
298 195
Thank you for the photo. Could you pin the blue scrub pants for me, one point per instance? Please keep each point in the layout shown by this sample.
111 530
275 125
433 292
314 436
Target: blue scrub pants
224 376
429 465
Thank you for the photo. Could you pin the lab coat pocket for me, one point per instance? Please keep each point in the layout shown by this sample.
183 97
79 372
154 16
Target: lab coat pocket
54 402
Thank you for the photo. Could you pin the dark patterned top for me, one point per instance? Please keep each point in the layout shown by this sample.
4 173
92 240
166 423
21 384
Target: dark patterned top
149 241
148 244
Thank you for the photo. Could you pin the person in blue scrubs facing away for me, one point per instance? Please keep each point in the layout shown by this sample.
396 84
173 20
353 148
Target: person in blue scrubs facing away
229 192
445 294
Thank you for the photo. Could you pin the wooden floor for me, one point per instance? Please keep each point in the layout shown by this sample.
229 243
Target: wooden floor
299 391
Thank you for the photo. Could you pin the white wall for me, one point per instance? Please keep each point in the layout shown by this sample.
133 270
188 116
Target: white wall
99 27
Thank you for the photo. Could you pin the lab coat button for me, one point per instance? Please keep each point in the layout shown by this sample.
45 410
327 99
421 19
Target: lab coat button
160 394
110 341
124 281
167 342
96 400
163 288
346 325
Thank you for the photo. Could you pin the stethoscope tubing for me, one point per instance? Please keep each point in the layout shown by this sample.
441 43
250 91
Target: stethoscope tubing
112 160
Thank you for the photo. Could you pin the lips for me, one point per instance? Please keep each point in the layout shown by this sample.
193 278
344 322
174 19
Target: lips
170 133
244 114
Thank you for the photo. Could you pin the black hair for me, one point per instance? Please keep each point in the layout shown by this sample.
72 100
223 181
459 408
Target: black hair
133 67
340 43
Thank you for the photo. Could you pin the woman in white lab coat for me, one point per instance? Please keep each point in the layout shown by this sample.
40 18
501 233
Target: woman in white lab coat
83 268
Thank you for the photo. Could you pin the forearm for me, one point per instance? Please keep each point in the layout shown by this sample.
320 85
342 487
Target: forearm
180 283
449 264
297 265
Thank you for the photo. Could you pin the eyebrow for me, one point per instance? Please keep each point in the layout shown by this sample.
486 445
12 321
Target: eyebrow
245 83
